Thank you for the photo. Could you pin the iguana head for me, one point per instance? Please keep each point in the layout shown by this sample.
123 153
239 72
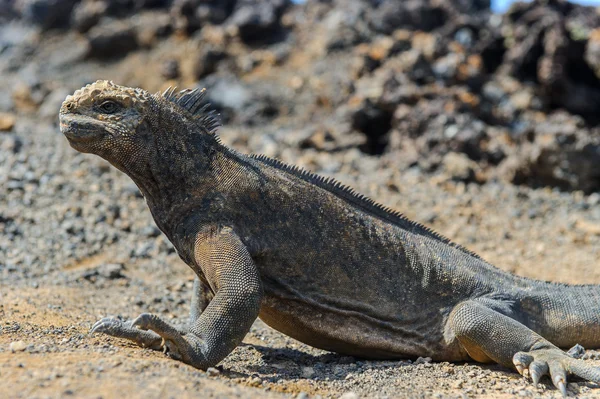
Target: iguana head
108 120
112 121
154 138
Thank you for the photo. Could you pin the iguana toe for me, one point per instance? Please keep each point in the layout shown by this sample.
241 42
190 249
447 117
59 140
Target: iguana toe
120 329
558 372
537 370
577 351
185 347
521 360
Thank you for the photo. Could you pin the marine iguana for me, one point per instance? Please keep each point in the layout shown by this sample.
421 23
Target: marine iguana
312 258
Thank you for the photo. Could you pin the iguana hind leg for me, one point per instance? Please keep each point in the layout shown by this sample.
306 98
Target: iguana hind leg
201 297
488 335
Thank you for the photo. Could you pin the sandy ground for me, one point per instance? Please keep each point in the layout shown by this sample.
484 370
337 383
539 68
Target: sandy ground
46 351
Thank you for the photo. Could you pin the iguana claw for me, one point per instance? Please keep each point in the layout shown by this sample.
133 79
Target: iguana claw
537 369
556 364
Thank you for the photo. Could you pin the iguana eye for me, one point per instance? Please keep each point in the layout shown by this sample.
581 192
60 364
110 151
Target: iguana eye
109 107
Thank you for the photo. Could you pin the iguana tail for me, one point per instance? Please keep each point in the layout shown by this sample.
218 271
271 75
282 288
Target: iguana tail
563 314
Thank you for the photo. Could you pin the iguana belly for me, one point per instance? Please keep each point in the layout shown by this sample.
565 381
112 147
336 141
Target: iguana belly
357 334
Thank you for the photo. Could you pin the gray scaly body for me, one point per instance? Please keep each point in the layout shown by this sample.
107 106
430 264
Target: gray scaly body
311 258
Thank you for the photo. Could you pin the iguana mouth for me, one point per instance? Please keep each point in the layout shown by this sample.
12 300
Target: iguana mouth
79 130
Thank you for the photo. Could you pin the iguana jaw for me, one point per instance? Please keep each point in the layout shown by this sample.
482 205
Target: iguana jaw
80 129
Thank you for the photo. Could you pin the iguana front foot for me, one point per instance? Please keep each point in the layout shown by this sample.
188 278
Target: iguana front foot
556 364
125 329
150 331
179 345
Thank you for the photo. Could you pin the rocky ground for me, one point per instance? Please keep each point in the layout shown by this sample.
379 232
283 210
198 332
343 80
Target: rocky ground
484 127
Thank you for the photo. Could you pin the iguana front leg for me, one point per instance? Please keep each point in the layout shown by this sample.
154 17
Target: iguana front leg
236 282
488 335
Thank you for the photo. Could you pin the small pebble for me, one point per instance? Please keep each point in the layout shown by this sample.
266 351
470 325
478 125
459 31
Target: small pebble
256 382
212 372
17 346
423 360
308 372
7 121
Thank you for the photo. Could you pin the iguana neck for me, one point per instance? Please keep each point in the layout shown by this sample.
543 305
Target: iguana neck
177 176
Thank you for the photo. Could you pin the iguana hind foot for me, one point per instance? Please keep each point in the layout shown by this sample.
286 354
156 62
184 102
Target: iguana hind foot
487 334
556 364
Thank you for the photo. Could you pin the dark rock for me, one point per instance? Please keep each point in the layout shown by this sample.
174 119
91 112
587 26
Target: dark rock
112 40
7 11
47 14
120 8
389 16
375 123
547 45
258 20
183 13
417 67
492 53
562 153
214 14
207 61
398 89
411 14
109 271
190 15
149 4
470 6
169 69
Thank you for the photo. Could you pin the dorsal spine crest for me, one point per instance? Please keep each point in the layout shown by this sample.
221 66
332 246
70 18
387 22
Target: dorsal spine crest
193 101
362 202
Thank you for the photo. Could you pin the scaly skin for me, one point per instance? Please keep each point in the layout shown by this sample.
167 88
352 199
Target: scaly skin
313 259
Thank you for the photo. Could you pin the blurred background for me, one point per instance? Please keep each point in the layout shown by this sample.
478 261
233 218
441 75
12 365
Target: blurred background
509 90
502 5
478 118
